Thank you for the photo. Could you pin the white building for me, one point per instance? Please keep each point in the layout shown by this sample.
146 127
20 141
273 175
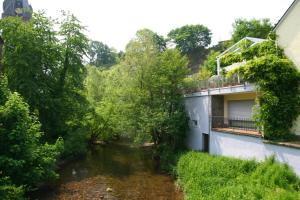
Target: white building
220 112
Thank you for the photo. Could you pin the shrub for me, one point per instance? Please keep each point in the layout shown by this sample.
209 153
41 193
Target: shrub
76 144
8 191
23 158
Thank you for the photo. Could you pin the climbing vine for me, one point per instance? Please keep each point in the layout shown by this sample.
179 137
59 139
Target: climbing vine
278 86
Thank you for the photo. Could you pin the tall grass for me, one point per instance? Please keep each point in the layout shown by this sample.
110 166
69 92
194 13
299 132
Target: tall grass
203 176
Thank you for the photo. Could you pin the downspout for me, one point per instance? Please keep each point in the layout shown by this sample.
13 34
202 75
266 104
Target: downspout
209 119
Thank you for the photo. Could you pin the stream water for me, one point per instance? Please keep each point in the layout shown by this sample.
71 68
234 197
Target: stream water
114 172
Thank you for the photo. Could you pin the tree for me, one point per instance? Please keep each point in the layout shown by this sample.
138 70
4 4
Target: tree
157 81
210 63
144 35
190 38
24 160
259 28
101 55
30 57
46 67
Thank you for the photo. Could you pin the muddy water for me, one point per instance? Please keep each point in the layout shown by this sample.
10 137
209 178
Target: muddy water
114 172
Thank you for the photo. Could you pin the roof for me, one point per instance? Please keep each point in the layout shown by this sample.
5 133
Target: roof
286 13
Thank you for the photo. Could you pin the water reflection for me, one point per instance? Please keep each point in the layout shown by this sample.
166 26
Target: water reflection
129 173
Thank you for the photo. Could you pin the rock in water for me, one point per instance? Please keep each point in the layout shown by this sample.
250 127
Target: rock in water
74 172
109 190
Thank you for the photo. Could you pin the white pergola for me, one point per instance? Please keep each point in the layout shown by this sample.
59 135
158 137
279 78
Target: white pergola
236 48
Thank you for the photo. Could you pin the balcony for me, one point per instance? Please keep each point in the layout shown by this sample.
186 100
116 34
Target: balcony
239 126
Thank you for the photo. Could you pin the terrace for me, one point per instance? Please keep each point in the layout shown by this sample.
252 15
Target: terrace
214 82
239 126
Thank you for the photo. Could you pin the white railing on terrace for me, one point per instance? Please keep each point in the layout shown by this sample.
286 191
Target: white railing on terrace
214 82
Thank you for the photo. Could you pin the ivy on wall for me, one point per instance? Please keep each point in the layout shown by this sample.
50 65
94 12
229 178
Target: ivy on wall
278 86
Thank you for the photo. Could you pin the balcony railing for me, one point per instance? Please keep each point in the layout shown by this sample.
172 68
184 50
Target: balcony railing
213 82
238 125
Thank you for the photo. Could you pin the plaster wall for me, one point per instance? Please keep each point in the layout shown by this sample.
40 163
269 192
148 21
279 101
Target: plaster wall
197 109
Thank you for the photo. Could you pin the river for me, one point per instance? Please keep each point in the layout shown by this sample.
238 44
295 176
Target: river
114 172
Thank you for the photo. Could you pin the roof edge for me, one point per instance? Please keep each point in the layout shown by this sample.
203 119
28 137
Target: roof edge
285 14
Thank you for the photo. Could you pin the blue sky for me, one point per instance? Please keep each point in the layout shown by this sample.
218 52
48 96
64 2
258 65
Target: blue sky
115 22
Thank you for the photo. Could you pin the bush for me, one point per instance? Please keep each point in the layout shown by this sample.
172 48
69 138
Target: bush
23 158
203 176
76 144
8 191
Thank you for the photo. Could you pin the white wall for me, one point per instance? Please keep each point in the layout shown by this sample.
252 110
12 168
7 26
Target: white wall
288 32
197 109
246 147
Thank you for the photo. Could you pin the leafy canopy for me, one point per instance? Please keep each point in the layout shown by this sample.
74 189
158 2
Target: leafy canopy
258 28
190 38
101 55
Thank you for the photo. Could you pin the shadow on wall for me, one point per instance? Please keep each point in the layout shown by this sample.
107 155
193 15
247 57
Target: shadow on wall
245 147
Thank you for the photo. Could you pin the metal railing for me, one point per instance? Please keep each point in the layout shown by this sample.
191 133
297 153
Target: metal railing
236 125
214 82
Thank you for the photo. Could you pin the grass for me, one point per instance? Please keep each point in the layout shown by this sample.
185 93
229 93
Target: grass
203 176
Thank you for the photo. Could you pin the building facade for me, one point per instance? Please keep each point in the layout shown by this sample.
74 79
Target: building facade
288 38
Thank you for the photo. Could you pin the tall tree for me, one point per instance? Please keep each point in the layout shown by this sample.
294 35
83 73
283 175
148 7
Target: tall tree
157 79
259 28
101 55
31 56
190 38
46 67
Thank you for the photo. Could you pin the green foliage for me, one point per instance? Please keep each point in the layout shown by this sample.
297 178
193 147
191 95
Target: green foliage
101 55
190 38
147 35
231 58
23 158
76 144
142 97
259 28
279 98
210 63
268 47
8 191
278 85
45 66
203 176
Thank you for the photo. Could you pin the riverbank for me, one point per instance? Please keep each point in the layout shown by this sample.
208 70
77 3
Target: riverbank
203 176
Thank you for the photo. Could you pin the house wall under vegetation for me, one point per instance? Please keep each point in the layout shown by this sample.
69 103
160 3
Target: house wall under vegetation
246 147
288 31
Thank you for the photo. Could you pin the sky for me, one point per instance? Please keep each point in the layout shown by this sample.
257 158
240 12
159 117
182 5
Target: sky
115 22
